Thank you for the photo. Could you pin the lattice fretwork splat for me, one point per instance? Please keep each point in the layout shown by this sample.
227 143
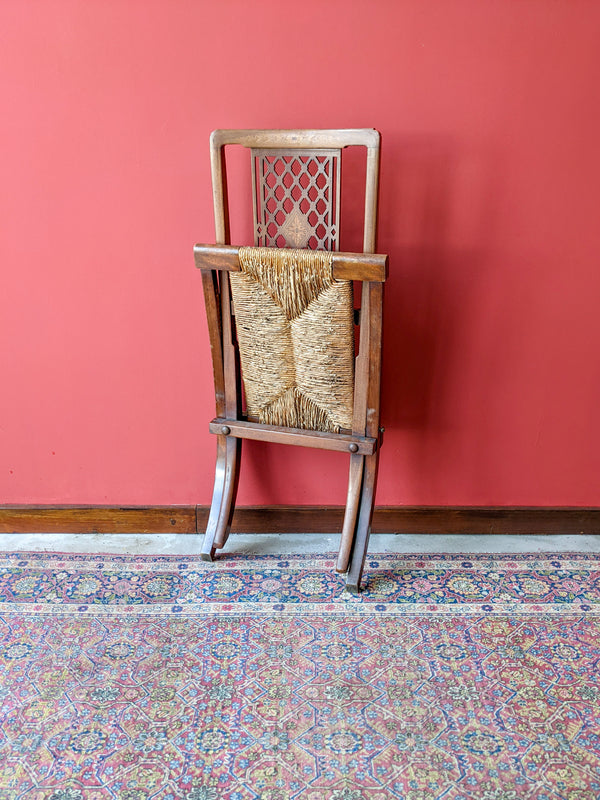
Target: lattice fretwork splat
296 198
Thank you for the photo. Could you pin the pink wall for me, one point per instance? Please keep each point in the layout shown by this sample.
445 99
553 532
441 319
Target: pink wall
490 117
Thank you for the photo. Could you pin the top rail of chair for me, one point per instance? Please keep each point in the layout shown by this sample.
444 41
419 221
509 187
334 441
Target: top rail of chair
366 137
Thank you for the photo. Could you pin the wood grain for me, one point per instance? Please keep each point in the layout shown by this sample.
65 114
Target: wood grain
98 519
366 137
472 520
368 268
467 520
321 440
346 266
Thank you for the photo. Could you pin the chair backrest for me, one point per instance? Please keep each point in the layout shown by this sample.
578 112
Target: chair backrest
296 198
297 362
296 185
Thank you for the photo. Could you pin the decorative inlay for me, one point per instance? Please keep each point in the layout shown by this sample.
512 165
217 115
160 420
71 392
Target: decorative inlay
296 229
296 198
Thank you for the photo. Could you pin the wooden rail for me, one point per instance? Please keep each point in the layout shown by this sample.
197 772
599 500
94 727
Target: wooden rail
346 266
342 442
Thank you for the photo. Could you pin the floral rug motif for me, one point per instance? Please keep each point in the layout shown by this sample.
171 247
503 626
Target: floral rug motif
471 677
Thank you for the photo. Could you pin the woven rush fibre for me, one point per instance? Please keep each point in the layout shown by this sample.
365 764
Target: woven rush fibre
296 338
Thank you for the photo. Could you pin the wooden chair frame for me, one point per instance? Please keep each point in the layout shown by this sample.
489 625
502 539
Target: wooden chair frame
230 427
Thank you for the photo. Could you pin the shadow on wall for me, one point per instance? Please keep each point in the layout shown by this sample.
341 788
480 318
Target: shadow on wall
438 211
437 217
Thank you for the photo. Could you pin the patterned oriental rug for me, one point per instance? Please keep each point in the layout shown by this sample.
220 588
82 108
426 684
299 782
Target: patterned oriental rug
457 677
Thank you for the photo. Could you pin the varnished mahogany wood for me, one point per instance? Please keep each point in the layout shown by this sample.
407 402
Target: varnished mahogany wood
436 520
98 519
212 303
341 442
346 266
363 527
230 485
304 139
371 331
317 139
223 500
368 268
229 450
357 463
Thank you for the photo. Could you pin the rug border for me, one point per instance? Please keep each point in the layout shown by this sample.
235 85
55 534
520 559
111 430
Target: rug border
343 605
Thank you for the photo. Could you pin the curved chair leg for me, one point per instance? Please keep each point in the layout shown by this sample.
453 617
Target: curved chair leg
352 505
232 475
223 499
363 528
208 546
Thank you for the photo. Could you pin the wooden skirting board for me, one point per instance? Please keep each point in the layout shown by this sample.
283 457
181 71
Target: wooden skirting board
294 519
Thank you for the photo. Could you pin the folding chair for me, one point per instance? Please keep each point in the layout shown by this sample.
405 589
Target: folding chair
280 318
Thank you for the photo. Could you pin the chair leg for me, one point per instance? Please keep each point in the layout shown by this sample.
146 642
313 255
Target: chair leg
224 492
363 528
352 505
232 476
